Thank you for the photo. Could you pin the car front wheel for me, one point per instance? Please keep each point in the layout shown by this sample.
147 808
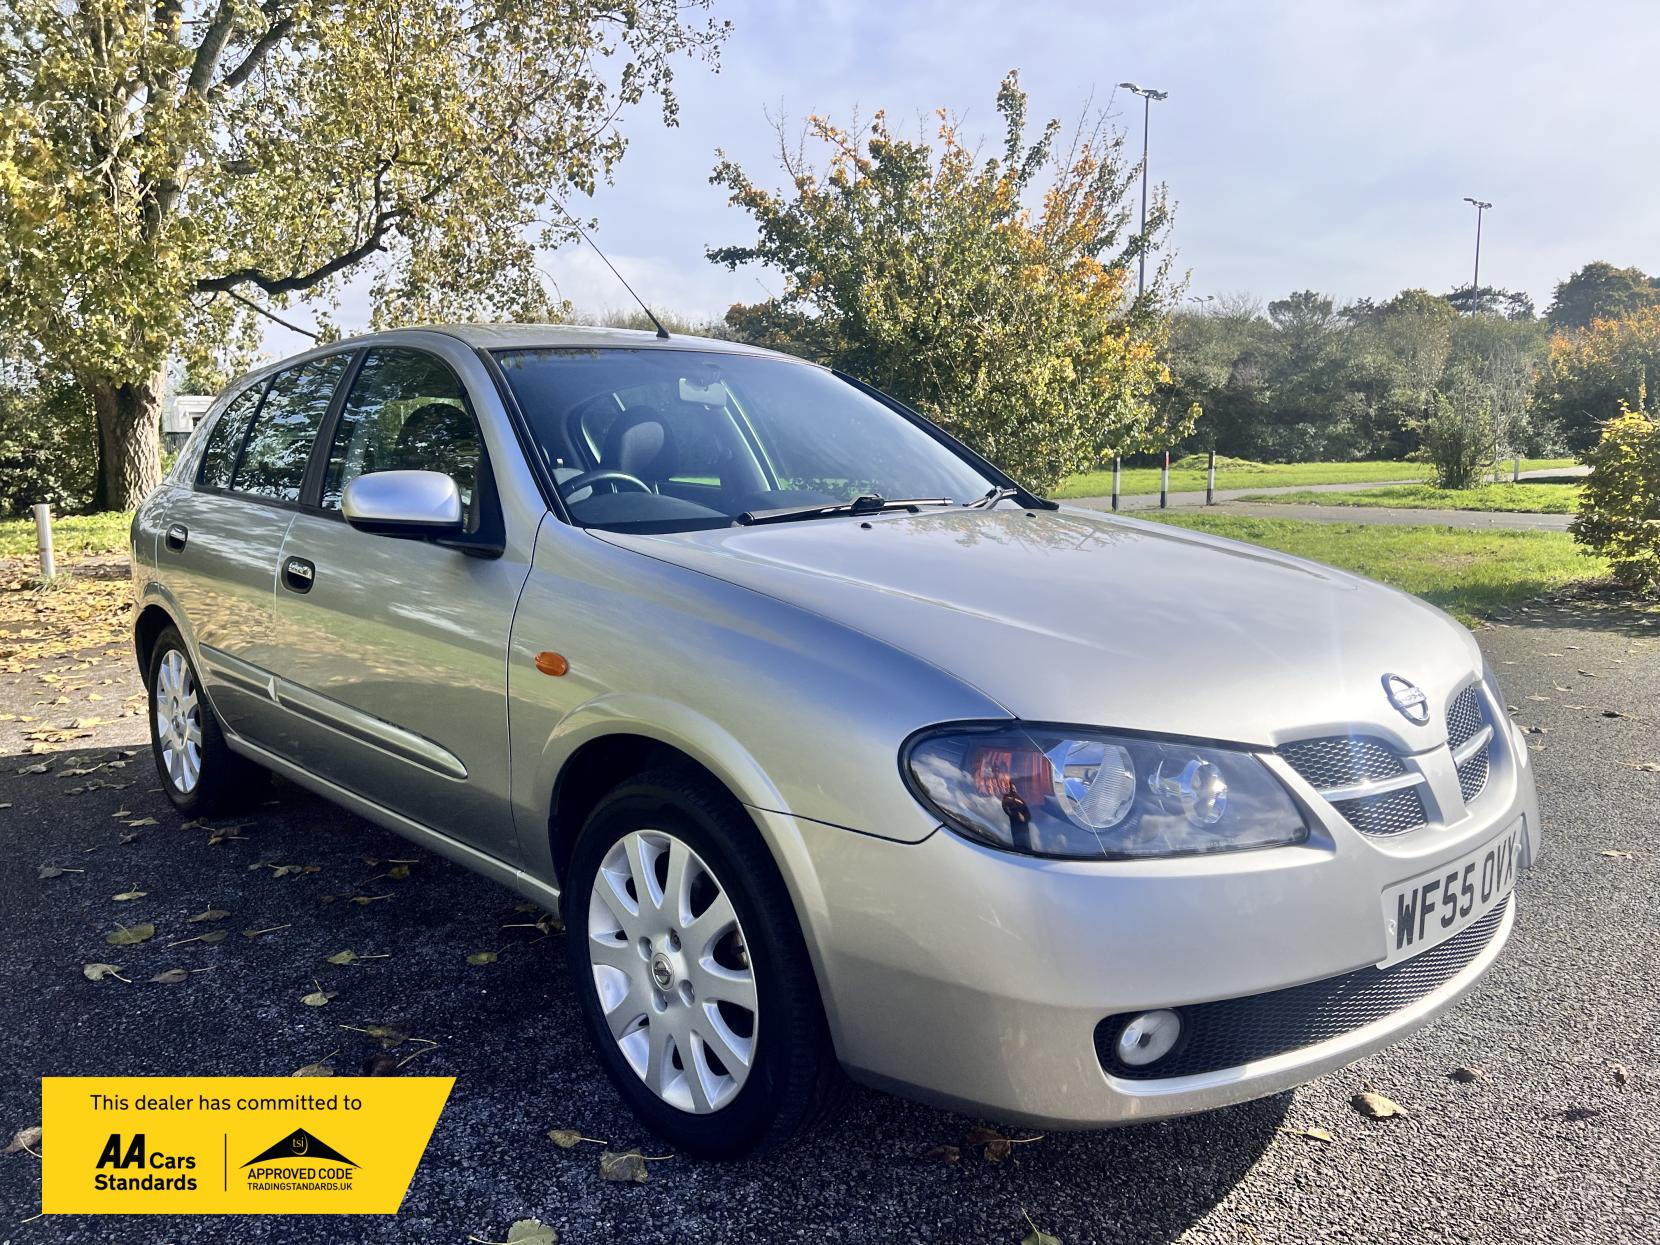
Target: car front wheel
691 969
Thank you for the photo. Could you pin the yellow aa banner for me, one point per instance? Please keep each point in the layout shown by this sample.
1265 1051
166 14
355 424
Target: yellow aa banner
252 1145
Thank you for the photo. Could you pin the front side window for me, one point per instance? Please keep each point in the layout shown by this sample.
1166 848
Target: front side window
406 412
668 440
224 439
279 444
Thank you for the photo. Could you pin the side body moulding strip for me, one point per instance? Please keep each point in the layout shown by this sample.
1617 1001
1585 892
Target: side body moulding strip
363 727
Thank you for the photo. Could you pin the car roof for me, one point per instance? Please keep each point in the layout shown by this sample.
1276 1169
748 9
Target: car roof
511 337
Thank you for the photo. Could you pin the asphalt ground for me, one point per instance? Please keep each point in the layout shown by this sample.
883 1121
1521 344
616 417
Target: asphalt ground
1548 1145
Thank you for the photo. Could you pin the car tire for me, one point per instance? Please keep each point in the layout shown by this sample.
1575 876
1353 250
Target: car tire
792 1079
199 772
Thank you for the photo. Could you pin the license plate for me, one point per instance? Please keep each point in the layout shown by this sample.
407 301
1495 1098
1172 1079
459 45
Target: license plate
1425 911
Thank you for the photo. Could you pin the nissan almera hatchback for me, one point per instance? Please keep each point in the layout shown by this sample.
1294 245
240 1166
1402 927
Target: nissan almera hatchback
835 747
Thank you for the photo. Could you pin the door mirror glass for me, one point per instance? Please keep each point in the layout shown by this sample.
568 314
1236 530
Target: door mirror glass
420 504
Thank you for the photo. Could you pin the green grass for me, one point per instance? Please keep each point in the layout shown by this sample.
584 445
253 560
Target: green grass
1470 574
1535 498
75 533
1236 473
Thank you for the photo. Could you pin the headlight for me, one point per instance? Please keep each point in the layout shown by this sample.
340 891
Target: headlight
1085 794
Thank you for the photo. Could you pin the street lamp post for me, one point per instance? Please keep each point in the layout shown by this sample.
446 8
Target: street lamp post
1148 95
1475 284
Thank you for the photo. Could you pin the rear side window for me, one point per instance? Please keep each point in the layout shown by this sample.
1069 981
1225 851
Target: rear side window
279 444
225 439
405 412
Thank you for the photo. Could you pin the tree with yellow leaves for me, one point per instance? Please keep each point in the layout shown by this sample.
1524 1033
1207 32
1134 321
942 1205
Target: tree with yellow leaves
997 296
165 164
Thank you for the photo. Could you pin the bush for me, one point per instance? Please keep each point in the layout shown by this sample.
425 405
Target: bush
1456 439
48 448
1619 509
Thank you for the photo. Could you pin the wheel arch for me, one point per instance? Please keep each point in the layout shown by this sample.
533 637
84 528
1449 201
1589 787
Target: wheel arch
153 618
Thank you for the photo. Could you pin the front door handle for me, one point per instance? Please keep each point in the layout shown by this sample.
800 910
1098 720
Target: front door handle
298 574
177 534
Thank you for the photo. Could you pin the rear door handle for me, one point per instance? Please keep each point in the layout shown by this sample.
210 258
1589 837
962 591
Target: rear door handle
298 574
176 536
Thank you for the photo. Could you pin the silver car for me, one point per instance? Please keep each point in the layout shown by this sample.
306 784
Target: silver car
836 748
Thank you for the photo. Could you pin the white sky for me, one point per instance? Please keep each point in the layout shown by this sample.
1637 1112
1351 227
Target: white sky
1307 144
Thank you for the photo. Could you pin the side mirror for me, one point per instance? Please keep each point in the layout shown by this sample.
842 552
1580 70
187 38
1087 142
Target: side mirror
424 505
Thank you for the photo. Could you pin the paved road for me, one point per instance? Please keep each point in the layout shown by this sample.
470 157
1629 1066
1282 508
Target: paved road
1395 516
1341 514
1548 1148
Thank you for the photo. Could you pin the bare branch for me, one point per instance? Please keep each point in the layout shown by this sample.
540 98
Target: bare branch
211 48
277 32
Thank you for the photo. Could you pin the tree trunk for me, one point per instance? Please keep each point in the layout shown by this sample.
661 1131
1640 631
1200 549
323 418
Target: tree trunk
129 441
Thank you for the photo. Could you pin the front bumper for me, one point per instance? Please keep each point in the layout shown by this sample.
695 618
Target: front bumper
976 979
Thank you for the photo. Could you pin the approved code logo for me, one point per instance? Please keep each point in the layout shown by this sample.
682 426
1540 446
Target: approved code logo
248 1145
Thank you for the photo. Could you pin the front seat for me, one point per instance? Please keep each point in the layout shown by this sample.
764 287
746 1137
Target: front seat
641 443
439 437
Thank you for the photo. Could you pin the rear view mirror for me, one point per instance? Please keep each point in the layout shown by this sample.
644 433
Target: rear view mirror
712 394
420 504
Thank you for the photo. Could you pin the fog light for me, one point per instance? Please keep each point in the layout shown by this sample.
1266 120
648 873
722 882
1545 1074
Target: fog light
1148 1038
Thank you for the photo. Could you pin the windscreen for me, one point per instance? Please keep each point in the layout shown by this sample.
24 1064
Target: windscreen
668 440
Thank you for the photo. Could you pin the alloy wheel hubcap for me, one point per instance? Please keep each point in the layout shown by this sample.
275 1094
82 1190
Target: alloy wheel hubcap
671 968
178 722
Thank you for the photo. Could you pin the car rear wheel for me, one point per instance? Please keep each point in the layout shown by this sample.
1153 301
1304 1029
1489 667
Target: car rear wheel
199 772
691 970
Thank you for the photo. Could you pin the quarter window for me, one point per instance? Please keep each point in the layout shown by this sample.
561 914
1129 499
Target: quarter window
406 412
224 439
279 444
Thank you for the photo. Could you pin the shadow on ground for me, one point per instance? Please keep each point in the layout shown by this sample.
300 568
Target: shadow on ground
508 1031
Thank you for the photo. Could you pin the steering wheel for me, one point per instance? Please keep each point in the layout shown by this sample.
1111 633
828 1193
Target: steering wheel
603 475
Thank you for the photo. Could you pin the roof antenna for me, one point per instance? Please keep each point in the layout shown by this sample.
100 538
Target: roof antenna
662 332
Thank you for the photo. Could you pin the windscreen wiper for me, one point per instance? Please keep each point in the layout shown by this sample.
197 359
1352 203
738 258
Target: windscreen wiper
992 497
868 503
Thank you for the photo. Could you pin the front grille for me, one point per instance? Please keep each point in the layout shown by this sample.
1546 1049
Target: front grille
1342 761
1472 775
1394 813
1463 718
1232 1032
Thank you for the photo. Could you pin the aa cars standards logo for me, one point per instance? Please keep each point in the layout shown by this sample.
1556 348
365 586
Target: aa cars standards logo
238 1145
300 1161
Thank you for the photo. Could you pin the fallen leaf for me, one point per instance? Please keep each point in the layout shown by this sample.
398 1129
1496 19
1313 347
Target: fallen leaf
363 900
126 895
390 1036
97 972
381 1064
1377 1106
994 1147
531 1232
313 1069
24 1139
144 821
1622 1075
212 914
478 958
1616 854
398 872
319 997
1313 1134
171 977
270 929
218 935
1037 1236
1612 713
129 935
343 957
943 1154
624 1167
1466 1074
57 871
